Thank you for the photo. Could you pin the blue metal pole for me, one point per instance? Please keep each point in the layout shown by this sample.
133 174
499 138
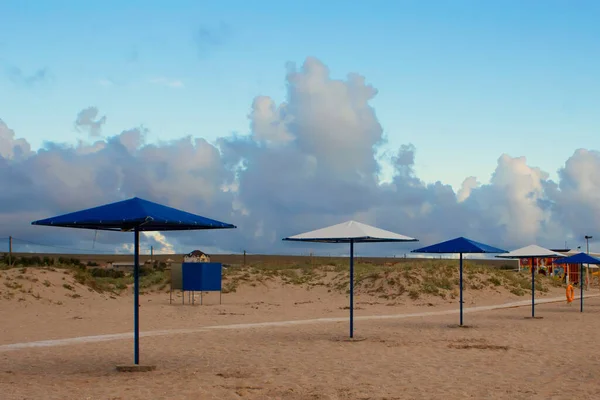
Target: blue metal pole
461 288
581 287
351 288
532 289
136 297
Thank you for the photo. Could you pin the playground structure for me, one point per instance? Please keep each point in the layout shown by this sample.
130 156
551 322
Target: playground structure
546 266
195 277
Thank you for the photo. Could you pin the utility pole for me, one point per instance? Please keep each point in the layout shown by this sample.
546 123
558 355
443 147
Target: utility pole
587 243
10 257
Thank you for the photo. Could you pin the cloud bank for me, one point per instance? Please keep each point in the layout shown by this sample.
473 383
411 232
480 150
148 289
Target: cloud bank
308 162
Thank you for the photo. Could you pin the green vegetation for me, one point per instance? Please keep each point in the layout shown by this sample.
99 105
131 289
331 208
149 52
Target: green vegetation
388 280
88 274
36 261
413 279
114 281
293 273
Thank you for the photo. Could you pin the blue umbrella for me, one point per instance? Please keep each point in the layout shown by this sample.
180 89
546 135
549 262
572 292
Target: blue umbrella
135 215
461 246
580 258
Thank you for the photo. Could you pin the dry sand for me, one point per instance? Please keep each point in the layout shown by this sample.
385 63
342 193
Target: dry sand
502 355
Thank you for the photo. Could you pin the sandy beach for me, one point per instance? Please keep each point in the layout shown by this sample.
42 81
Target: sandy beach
210 352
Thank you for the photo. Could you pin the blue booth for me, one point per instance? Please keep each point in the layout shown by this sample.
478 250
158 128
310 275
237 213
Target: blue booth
197 277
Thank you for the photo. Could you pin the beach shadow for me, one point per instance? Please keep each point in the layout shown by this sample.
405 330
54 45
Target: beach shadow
348 339
478 346
562 310
463 326
60 363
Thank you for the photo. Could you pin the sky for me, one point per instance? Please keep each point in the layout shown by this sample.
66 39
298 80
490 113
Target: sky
430 118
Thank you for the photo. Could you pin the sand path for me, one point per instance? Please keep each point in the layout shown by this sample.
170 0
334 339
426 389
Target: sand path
129 335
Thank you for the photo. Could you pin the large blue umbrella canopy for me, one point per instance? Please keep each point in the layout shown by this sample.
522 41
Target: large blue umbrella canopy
459 245
579 258
135 215
350 232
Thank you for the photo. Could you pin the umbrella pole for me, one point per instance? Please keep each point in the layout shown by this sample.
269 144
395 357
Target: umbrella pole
351 289
461 288
581 288
532 289
136 299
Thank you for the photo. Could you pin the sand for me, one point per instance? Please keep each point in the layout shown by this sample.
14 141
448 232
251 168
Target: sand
501 355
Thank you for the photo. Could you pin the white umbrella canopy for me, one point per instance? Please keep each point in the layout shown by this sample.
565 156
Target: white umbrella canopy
531 251
350 231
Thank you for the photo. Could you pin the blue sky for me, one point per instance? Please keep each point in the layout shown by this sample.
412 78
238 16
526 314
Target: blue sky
464 81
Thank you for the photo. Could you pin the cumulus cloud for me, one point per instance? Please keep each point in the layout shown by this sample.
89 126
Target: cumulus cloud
575 199
162 244
466 188
308 162
87 121
12 148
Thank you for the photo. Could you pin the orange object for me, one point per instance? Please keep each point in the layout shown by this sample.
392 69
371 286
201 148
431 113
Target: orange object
570 293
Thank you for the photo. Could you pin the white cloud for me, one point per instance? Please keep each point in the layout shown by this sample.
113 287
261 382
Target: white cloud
466 188
106 82
87 121
162 81
163 245
12 148
308 162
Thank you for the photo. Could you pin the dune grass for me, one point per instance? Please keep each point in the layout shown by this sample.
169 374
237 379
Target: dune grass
99 279
439 278
423 278
102 280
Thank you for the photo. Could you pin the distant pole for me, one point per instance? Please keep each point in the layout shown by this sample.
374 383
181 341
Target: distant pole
460 283
587 243
244 258
136 297
351 288
10 257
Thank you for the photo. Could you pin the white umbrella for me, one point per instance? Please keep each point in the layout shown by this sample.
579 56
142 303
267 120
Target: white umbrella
532 251
350 232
